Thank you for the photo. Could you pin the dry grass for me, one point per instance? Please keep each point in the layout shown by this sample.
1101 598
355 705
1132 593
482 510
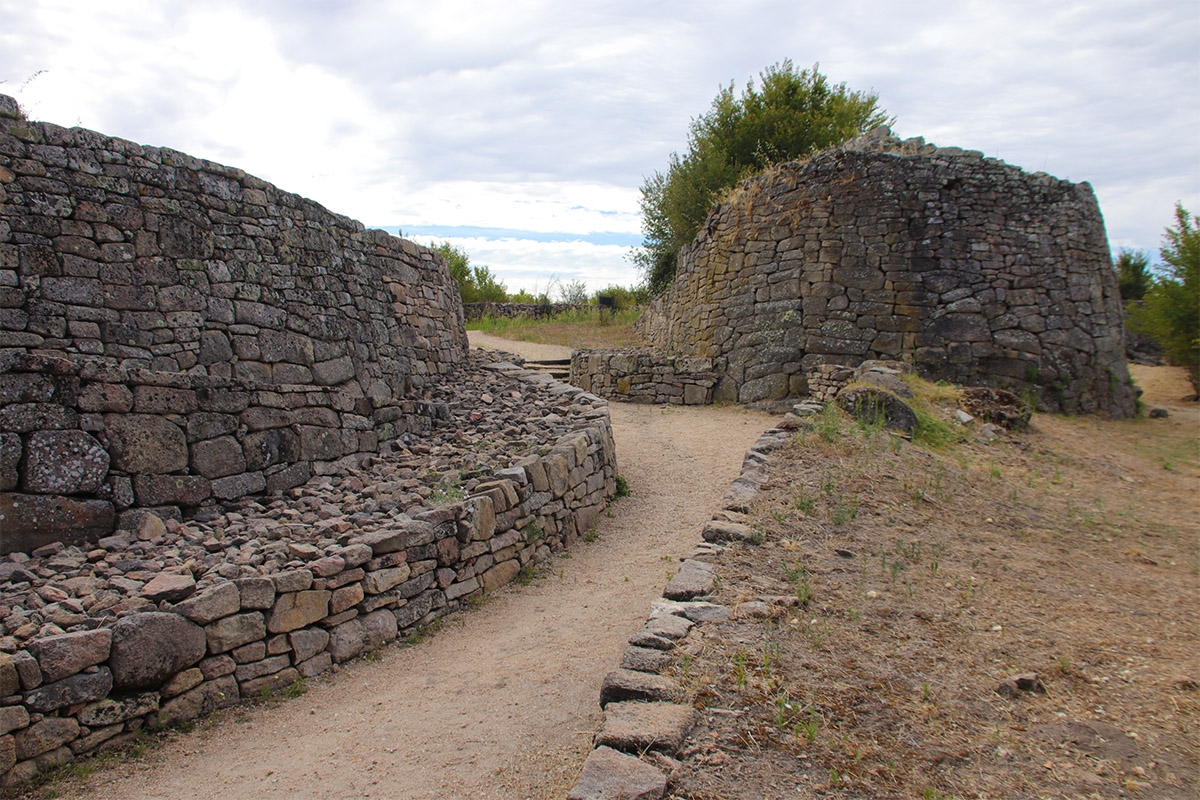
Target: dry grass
584 329
1069 550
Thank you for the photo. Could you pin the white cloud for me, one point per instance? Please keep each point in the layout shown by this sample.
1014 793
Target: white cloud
545 116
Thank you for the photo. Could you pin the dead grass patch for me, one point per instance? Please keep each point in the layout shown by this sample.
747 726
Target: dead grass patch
917 581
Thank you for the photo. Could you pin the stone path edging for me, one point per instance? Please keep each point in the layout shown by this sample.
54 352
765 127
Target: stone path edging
647 717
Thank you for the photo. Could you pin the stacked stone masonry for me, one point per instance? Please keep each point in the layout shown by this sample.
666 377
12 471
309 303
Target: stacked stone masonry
966 267
175 332
644 376
164 622
477 311
241 440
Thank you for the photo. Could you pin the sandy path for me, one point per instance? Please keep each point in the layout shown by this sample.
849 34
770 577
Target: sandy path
529 350
502 702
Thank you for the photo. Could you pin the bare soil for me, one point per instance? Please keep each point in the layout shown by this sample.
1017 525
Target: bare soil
896 590
501 702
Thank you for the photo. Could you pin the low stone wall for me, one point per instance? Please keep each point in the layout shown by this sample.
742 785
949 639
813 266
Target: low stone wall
475 311
163 622
82 442
644 376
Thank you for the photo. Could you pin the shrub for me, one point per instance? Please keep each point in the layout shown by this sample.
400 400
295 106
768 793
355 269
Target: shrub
793 114
1170 311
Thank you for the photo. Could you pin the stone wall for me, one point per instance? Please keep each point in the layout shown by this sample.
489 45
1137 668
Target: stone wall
474 311
174 331
969 268
644 376
161 623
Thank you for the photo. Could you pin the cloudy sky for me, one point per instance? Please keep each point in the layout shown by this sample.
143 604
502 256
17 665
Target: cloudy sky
522 130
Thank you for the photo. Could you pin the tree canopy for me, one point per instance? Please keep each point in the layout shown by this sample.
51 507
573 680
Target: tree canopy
1133 274
790 115
1170 311
475 284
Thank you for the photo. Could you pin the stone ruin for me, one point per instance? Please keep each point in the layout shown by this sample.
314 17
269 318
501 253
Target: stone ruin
242 439
965 267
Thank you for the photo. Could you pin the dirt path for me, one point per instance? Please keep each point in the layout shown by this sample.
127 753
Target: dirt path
502 702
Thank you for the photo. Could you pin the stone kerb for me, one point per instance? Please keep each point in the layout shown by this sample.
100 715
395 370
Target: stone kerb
645 376
99 643
964 266
175 331
648 715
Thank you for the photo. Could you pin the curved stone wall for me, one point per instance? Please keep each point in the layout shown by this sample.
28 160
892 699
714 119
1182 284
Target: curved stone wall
163 622
971 269
174 331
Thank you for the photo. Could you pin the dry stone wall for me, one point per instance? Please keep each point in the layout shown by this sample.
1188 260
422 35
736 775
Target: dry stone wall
966 267
644 376
475 311
175 332
163 622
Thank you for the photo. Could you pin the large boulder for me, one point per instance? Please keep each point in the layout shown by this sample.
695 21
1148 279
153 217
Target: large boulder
145 443
63 462
877 407
148 649
63 656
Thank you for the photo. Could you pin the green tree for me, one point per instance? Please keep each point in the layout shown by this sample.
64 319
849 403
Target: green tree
475 284
1133 274
792 114
1170 311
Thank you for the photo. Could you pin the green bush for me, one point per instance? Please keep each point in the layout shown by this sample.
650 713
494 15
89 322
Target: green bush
794 114
1133 274
1170 311
475 284
624 298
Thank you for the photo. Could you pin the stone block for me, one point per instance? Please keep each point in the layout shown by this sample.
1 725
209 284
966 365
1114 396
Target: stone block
65 655
235 486
384 579
143 443
292 580
10 457
307 642
13 718
217 458
184 681
635 728
163 400
270 683
229 632
622 684
204 699
82 688
149 648
112 711
171 490
270 447
333 372
499 575
44 736
257 593
298 609
219 601
608 773
30 520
